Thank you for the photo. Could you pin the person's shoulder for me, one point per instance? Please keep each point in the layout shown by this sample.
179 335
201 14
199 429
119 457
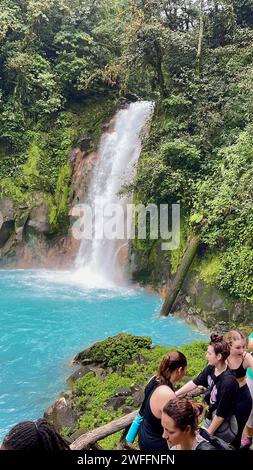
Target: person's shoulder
208 369
163 390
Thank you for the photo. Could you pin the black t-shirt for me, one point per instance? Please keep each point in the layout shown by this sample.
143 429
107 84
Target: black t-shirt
221 391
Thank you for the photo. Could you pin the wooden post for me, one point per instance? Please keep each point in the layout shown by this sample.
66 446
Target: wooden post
186 262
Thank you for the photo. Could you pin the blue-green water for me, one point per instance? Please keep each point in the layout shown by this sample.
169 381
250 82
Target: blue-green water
46 318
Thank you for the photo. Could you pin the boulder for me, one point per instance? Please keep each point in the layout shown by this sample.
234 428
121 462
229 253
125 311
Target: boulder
116 402
61 415
138 398
39 216
123 392
7 222
127 409
85 357
78 374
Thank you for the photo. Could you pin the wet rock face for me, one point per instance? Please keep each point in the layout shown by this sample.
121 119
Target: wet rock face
5 232
82 165
206 305
39 217
7 222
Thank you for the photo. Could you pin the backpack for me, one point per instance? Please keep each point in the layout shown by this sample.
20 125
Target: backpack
205 445
216 442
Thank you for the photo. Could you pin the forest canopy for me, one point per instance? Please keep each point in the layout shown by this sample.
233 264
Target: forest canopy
193 58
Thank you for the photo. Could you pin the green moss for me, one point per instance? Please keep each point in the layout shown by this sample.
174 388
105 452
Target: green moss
110 442
52 210
62 194
88 117
9 188
116 350
176 255
30 168
58 214
66 432
96 413
209 268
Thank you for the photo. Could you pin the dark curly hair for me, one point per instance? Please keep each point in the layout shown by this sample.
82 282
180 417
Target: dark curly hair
34 435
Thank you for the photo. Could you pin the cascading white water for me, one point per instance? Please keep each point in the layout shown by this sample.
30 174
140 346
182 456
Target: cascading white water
97 260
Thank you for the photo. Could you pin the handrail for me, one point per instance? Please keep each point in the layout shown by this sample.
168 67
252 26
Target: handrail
89 438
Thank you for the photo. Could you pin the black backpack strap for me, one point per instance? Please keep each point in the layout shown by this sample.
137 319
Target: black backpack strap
205 445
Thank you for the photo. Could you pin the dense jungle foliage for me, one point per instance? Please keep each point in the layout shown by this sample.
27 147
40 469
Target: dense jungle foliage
193 58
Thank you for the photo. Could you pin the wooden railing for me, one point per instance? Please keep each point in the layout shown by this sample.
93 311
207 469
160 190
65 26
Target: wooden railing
88 440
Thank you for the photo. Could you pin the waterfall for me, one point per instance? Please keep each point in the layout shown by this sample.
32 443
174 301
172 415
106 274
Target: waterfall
97 263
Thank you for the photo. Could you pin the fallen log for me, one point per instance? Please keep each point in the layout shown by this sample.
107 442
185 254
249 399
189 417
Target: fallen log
85 441
183 269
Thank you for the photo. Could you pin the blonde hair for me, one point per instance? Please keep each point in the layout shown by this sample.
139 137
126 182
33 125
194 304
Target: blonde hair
233 335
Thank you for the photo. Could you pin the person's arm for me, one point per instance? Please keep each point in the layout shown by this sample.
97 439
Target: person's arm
215 424
193 384
248 361
186 389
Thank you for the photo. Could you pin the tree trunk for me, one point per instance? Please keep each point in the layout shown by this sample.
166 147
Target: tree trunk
183 269
201 36
159 71
88 439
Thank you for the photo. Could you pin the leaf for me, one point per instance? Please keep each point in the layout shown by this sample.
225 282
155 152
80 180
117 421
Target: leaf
196 218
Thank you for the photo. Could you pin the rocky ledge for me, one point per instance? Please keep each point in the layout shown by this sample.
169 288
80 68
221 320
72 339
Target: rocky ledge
108 383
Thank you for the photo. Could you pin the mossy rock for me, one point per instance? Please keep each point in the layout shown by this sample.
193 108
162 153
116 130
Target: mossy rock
114 351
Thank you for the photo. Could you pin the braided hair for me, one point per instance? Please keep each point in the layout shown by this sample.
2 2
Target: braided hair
34 435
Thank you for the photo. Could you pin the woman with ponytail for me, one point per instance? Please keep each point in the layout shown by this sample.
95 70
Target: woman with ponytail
221 393
159 390
34 435
180 420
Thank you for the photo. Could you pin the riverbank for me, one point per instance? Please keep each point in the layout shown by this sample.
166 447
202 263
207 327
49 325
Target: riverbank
207 308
